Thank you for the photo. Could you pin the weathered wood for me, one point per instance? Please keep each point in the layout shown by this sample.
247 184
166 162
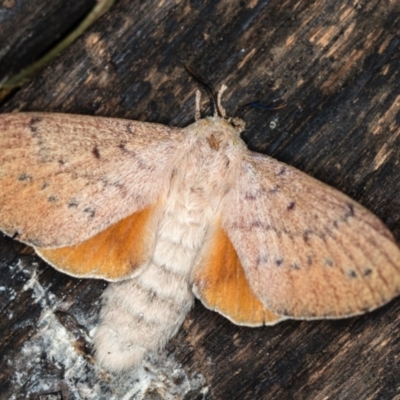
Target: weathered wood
29 28
336 66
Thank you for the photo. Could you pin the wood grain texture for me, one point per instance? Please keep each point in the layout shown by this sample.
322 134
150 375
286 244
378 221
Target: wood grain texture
336 66
30 28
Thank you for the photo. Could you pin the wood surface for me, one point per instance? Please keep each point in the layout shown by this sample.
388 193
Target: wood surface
28 29
336 65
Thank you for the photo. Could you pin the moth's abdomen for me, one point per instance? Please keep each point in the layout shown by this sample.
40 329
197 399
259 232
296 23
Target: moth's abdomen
136 320
141 314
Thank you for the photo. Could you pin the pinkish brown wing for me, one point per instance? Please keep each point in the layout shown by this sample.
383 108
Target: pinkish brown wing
308 251
65 178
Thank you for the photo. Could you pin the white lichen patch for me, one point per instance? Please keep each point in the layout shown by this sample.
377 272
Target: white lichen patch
39 293
51 363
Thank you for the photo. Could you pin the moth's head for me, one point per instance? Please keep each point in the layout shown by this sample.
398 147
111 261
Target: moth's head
219 122
217 131
224 123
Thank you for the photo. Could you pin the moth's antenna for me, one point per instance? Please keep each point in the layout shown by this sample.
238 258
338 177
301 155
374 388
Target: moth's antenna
207 86
219 104
197 115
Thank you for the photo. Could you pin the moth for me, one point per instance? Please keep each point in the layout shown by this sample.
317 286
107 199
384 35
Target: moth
169 214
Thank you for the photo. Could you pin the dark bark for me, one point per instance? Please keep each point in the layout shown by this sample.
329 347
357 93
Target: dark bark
29 28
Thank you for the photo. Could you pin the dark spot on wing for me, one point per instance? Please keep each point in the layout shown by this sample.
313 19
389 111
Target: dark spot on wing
33 129
96 152
295 266
227 162
122 147
32 124
73 203
122 189
249 196
61 161
35 120
16 234
104 180
257 224
367 272
91 211
283 311
309 260
311 314
329 262
142 165
350 212
262 259
282 171
131 128
274 189
52 199
25 177
291 206
253 195
238 226
306 236
44 185
352 274
278 261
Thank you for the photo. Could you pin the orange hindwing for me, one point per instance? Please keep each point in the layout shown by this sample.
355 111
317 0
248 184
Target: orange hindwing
220 283
112 254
